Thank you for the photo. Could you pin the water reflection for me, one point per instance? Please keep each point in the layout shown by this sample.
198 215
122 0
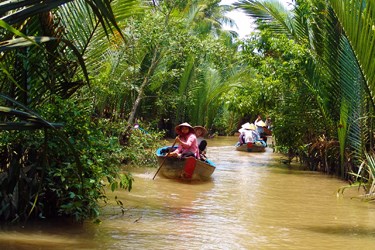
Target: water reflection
253 201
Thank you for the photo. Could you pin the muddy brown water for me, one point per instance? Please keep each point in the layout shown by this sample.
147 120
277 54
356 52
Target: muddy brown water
253 201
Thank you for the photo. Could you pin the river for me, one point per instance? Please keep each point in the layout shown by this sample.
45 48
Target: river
253 201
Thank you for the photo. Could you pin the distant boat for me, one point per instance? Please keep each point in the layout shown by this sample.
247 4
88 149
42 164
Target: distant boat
251 147
184 168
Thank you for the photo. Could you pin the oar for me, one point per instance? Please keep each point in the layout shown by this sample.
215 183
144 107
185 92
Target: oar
162 163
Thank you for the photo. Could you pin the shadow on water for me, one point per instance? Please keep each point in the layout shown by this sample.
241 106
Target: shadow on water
49 234
342 230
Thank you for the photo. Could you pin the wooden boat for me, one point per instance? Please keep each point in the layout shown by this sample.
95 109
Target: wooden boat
184 168
250 147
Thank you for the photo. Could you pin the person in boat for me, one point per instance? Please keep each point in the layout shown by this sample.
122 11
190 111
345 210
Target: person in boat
255 137
200 132
187 142
245 134
250 134
268 123
241 137
268 127
260 125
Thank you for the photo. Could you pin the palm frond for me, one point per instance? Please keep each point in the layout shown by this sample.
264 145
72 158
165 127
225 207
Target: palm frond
358 21
14 12
185 83
53 60
18 11
347 84
271 12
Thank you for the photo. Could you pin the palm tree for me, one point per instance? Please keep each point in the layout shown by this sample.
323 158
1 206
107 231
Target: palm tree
201 80
43 57
54 44
334 76
201 19
357 21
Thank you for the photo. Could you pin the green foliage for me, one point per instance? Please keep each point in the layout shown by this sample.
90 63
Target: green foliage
142 146
275 67
330 69
225 122
58 184
364 178
342 134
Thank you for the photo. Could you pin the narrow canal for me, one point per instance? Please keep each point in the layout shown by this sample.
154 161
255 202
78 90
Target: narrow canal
253 201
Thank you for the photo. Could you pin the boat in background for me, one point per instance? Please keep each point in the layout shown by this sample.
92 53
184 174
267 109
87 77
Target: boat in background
188 168
251 147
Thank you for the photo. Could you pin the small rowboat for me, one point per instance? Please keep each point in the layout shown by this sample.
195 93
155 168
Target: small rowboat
251 147
184 168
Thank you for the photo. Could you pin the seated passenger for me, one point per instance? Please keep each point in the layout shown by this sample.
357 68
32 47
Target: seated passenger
200 132
246 134
256 139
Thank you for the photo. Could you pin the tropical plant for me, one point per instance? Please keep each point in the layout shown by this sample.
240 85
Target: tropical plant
61 57
41 67
333 74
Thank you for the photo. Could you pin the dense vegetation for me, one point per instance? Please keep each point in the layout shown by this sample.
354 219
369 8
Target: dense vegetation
76 75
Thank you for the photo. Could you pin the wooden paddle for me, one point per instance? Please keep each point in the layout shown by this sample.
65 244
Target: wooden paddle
162 163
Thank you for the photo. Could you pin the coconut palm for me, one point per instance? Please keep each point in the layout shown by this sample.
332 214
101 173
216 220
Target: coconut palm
208 17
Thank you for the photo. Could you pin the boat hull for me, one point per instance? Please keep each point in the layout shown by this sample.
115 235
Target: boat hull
250 147
176 168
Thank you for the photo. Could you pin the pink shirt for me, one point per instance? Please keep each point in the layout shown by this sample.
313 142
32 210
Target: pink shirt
188 143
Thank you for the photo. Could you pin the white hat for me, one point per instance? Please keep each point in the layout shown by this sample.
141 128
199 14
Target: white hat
248 126
260 123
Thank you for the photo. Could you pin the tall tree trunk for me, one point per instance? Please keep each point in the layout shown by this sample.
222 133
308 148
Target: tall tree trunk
154 63
125 135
